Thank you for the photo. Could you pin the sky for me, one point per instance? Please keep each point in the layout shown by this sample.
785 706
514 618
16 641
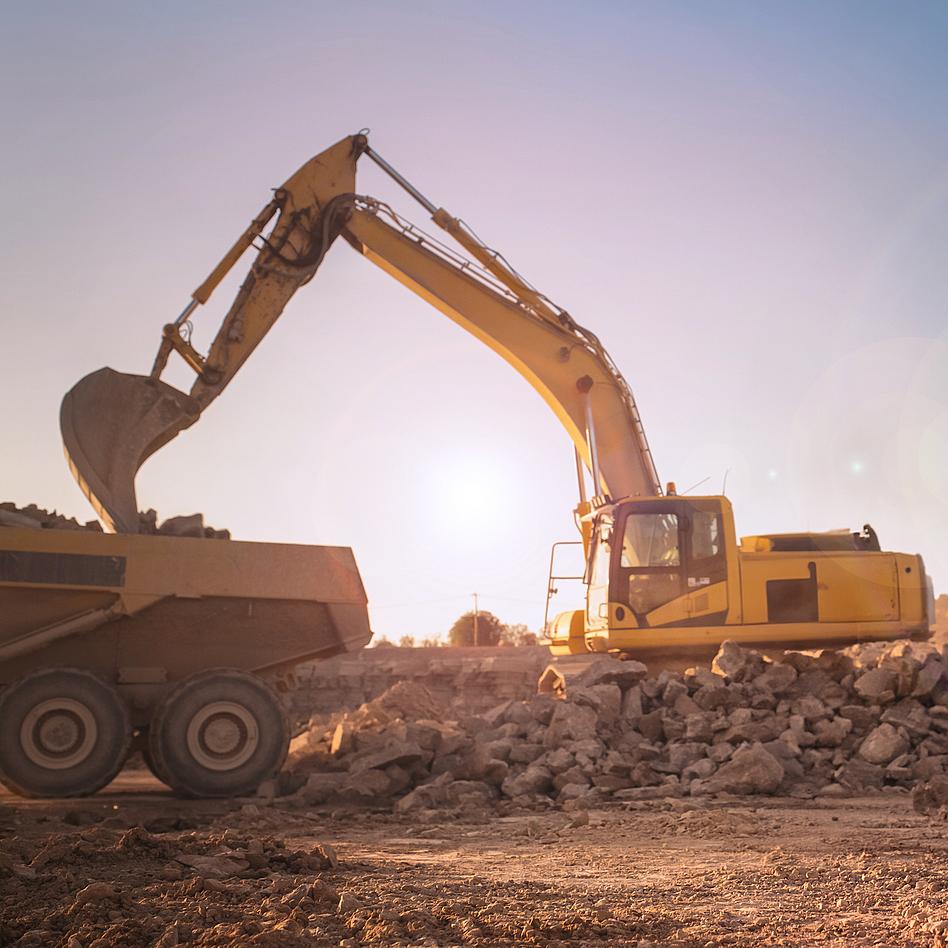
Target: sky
746 202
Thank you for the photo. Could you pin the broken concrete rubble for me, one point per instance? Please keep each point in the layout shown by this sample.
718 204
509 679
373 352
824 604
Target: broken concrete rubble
808 724
33 517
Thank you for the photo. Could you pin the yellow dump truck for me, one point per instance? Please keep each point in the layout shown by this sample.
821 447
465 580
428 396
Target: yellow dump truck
174 644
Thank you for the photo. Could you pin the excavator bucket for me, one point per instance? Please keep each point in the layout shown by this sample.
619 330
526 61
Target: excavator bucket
111 423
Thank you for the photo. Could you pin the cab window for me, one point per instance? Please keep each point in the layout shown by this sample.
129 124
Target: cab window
705 534
601 549
650 539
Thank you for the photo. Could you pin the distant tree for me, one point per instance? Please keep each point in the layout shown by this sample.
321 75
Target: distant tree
383 642
518 634
489 629
431 642
406 641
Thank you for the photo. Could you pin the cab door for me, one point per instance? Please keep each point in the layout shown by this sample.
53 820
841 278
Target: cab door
650 563
669 561
598 570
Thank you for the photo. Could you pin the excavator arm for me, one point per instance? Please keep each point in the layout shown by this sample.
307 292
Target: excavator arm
112 422
580 386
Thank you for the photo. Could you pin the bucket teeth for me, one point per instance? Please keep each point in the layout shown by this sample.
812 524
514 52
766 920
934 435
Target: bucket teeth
111 423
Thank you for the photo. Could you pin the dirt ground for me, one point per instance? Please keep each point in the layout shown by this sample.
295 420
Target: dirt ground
135 866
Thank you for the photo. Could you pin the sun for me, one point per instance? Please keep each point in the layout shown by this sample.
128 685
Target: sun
469 496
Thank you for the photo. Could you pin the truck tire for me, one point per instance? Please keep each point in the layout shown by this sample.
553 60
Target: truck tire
150 763
219 733
63 733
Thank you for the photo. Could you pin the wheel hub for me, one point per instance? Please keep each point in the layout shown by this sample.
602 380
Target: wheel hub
222 735
58 733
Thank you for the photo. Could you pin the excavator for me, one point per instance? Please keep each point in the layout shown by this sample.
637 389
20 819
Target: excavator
665 574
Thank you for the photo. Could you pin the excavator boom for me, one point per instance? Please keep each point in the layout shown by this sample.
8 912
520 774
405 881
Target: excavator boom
113 422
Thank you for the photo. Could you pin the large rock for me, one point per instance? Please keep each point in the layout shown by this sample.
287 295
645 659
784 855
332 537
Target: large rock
863 718
682 755
478 765
522 753
401 753
929 767
836 664
608 671
535 779
404 701
737 663
929 676
876 686
713 696
367 785
752 769
470 794
426 796
859 775
909 714
652 725
883 744
604 699
570 722
932 798
321 787
776 678
191 525
832 733
698 727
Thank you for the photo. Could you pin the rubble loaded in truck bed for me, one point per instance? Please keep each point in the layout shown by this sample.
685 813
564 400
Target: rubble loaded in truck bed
32 516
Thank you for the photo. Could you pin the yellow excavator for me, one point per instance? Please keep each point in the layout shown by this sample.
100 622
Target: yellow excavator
665 574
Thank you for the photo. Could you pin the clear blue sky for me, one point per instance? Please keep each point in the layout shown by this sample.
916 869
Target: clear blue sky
748 202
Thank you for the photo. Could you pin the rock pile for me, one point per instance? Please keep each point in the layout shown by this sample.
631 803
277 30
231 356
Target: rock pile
474 678
827 723
38 518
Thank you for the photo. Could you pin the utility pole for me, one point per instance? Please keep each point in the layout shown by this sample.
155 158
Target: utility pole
476 636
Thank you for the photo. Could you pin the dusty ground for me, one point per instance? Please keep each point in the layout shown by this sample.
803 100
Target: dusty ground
754 871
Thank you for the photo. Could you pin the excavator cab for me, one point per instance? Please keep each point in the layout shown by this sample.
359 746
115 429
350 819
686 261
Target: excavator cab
667 582
658 562
656 578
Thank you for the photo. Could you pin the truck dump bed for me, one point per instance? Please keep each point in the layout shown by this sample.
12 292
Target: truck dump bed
119 603
171 644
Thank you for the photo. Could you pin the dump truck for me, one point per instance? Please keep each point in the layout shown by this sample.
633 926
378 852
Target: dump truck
177 646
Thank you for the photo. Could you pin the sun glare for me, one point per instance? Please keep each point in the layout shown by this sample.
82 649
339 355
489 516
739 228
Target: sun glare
469 496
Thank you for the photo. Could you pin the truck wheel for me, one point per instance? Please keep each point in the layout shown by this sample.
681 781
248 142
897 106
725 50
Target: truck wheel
63 733
220 733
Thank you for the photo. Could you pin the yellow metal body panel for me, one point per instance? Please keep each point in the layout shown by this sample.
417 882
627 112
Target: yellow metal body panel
157 567
853 587
705 601
852 595
567 633
802 634
916 604
548 354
